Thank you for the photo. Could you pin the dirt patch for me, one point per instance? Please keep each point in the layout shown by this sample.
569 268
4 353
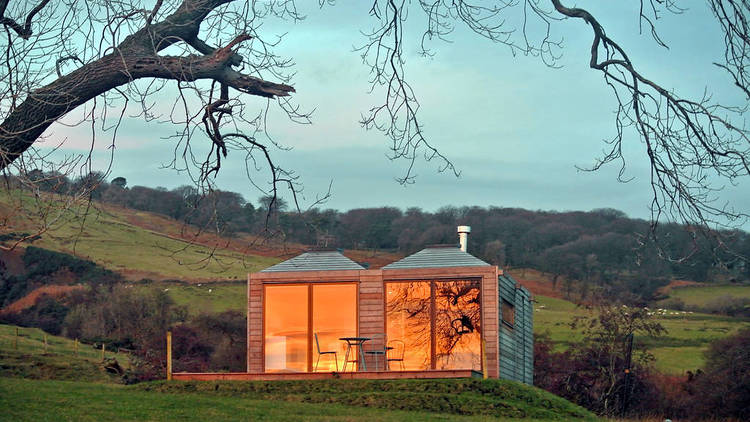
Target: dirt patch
56 291
537 282
678 283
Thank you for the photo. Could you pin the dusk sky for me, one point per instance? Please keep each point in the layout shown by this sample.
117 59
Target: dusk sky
514 128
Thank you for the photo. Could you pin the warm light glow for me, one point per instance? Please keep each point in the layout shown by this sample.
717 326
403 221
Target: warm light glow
286 326
334 316
289 342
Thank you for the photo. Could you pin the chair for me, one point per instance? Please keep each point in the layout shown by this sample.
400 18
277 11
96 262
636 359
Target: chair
379 352
335 356
396 353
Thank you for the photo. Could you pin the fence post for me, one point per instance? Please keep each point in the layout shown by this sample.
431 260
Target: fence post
169 355
75 346
15 340
45 343
102 351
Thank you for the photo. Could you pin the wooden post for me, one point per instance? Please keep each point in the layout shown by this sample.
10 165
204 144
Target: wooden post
484 361
45 343
102 351
75 346
169 355
15 340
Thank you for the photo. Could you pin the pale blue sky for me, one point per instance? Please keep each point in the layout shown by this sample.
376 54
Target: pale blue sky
514 128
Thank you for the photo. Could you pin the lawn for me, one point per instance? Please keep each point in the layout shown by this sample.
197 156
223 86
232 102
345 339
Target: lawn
701 296
27 400
680 350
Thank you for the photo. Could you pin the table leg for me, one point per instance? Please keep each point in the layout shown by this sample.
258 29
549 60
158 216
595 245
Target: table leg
346 357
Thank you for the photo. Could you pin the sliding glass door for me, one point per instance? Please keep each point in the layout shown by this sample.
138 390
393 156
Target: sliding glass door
295 314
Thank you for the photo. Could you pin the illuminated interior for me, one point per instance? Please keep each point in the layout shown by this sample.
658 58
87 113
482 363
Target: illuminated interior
438 321
294 313
334 315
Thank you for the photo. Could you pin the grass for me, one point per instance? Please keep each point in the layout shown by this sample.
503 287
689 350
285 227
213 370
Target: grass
25 400
701 296
106 236
203 298
681 349
25 357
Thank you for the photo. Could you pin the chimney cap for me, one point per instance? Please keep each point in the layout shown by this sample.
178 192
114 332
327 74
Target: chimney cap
463 229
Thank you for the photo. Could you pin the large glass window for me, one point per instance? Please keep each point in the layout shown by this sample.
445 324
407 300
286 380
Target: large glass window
294 314
334 315
286 327
409 319
438 322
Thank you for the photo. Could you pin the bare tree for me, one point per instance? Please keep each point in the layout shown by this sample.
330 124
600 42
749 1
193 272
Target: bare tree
125 53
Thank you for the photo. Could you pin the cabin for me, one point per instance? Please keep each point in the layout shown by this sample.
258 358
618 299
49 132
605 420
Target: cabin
438 313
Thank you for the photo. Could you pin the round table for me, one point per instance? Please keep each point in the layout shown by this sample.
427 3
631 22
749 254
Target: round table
356 342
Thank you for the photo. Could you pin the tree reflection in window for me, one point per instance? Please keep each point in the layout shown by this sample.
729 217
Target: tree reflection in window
439 322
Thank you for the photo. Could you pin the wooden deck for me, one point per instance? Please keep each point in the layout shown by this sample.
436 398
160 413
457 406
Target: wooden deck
370 375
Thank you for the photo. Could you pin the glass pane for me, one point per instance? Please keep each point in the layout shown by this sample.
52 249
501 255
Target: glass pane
408 320
334 316
286 328
457 331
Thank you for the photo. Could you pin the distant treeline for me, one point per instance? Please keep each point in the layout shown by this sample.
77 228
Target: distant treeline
603 250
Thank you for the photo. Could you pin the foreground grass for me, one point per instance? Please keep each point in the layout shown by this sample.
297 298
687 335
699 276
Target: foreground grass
680 350
25 400
25 357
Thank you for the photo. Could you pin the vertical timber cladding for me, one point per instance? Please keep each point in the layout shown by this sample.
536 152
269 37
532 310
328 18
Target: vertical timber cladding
254 324
516 339
371 318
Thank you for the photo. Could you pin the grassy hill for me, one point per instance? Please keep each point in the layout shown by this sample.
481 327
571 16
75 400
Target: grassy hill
137 244
704 295
25 357
680 350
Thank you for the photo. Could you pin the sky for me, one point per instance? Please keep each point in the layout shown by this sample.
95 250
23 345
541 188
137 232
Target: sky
517 131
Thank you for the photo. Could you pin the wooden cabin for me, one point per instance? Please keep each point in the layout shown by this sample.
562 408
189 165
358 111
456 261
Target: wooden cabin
440 312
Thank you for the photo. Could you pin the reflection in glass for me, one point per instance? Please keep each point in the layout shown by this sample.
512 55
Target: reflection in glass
457 331
438 321
408 319
286 320
334 316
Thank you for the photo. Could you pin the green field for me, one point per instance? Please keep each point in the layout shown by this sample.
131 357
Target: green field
203 297
681 349
701 296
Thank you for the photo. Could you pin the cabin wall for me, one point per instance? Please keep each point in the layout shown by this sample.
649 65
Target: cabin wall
516 341
371 316
254 325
